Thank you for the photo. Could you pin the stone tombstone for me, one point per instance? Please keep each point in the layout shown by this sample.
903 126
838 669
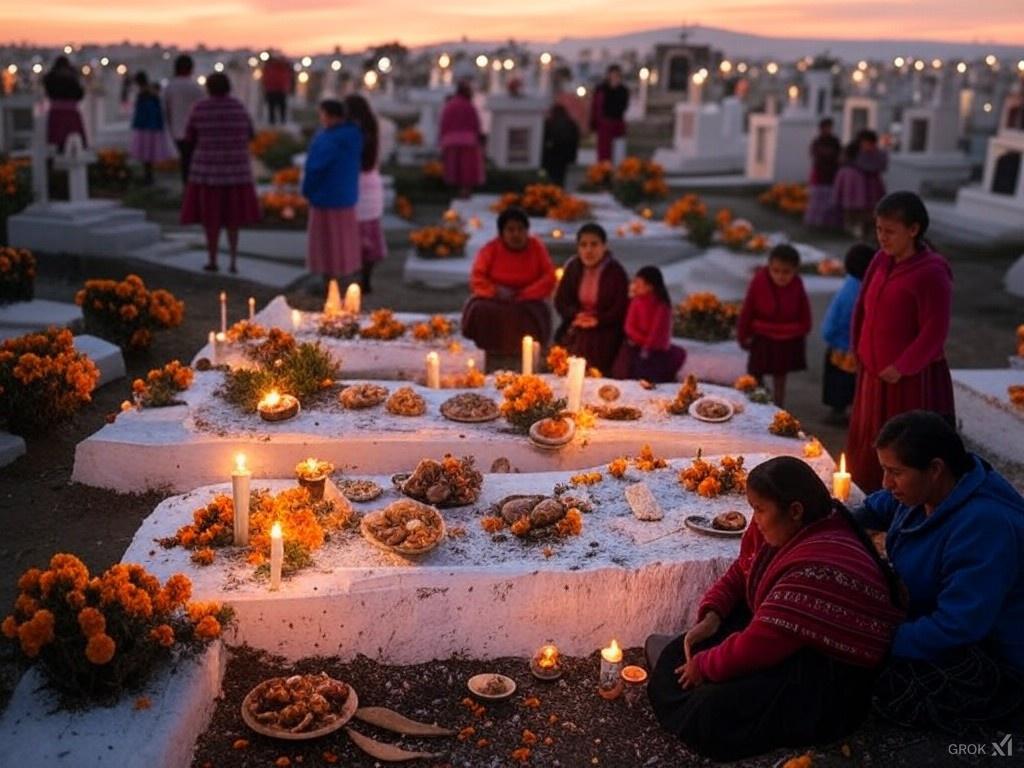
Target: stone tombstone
16 121
819 92
516 134
859 113
75 160
777 150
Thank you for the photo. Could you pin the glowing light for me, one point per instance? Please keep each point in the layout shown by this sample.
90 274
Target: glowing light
1020 65
257 74
919 65
794 93
481 61
264 56
772 68
69 49
303 77
444 61
545 58
899 61
581 91
104 61
496 65
253 61
218 67
698 78
86 69
862 65
741 67
725 66
645 73
370 79
37 68
961 67
858 76
121 69
508 64
384 64
201 79
987 107
991 60
335 65
12 68
306 61
936 63
240 462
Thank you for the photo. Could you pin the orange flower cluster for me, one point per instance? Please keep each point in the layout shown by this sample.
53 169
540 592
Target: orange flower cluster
709 481
305 525
586 478
263 142
617 467
844 361
684 208
645 461
277 345
545 200
637 179
93 633
788 198
127 312
403 207
438 327
439 242
528 399
43 380
737 234
599 175
757 244
111 169
558 360
212 526
784 424
687 395
284 206
813 448
1016 394
830 268
1020 340
12 175
17 274
245 330
287 177
411 137
703 316
161 385
745 383
383 326
434 170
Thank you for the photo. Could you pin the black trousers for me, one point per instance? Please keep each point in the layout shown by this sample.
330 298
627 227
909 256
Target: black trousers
185 150
809 698
277 104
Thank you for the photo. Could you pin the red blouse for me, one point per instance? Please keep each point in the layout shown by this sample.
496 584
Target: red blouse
778 313
529 273
649 323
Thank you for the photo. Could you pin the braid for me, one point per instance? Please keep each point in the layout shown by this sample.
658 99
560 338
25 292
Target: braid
895 588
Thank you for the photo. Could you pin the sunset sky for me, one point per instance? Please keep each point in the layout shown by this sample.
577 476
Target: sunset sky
311 25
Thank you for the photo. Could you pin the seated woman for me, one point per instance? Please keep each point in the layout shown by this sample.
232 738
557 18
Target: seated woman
592 300
647 352
955 535
799 670
511 281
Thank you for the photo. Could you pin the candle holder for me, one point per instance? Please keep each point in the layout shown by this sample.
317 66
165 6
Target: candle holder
634 681
312 475
545 663
609 684
278 407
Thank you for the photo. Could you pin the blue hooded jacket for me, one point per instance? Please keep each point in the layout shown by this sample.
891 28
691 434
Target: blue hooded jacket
331 176
835 327
963 566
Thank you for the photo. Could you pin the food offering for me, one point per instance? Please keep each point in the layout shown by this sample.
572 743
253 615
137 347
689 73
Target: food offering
609 393
360 490
709 481
366 395
405 526
729 524
785 425
341 326
470 407
531 516
617 412
491 686
299 707
450 482
405 401
688 394
553 432
711 409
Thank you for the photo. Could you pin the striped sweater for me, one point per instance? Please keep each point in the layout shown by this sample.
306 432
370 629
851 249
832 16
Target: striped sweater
220 129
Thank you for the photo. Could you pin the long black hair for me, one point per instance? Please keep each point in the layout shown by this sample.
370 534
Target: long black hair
920 437
361 114
784 480
653 277
908 208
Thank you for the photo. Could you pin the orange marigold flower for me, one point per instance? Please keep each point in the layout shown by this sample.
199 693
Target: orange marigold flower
92 622
142 703
100 649
240 744
208 628
36 632
162 635
29 581
10 628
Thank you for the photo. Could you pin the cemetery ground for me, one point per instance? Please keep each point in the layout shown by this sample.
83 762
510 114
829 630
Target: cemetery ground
44 514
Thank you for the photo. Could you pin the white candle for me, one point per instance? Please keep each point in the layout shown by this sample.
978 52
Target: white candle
841 480
353 298
213 348
223 311
333 304
276 556
470 365
220 343
610 681
527 355
240 495
252 308
433 370
574 383
296 319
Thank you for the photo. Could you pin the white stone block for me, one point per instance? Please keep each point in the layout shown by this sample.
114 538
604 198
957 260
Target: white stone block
108 357
1014 280
985 413
23 317
12 447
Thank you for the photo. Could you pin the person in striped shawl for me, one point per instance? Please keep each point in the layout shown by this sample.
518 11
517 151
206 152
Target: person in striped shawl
802 620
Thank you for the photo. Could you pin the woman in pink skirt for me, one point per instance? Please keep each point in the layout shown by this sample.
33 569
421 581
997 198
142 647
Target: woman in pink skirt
149 142
370 205
220 193
63 91
331 184
460 142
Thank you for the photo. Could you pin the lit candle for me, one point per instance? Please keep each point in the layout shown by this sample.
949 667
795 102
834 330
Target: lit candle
559 272
545 664
296 319
557 233
240 495
223 311
277 407
276 556
574 383
213 348
333 304
353 298
433 370
610 682
220 343
841 480
527 355
252 308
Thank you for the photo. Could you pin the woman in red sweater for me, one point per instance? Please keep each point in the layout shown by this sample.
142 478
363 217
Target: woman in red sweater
511 281
647 351
775 320
789 639
900 324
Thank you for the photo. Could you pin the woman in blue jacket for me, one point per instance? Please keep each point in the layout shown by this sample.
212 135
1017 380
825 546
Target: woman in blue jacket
840 365
955 536
331 184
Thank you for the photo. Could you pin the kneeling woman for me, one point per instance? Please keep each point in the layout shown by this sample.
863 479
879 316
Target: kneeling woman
789 636
511 281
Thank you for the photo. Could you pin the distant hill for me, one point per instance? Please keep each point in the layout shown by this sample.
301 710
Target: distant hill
742 45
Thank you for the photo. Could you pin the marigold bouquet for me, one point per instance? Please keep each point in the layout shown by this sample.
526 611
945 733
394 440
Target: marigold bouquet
709 481
287 177
126 312
43 380
439 242
284 206
703 316
528 399
544 200
95 637
636 179
15 190
17 275
275 149
384 326
437 327
161 385
110 171
788 198
599 175
245 330
685 208
558 360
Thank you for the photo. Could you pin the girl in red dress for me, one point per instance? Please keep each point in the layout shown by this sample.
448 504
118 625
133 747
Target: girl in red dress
775 320
647 351
899 330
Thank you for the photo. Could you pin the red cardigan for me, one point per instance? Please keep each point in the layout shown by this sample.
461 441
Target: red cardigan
902 313
529 272
774 312
649 323
821 590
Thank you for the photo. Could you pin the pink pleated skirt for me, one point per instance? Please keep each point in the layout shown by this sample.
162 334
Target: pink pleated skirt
150 146
334 243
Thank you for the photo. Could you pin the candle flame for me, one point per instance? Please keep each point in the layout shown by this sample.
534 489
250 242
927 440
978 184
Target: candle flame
240 462
842 463
558 274
432 357
613 653
471 364
275 531
549 652
221 336
272 399
296 318
223 295
614 647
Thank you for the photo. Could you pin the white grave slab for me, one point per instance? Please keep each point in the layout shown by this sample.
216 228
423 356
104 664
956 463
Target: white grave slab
708 139
107 357
1014 280
23 317
34 732
985 413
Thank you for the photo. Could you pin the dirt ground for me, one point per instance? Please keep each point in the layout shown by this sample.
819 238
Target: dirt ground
44 513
